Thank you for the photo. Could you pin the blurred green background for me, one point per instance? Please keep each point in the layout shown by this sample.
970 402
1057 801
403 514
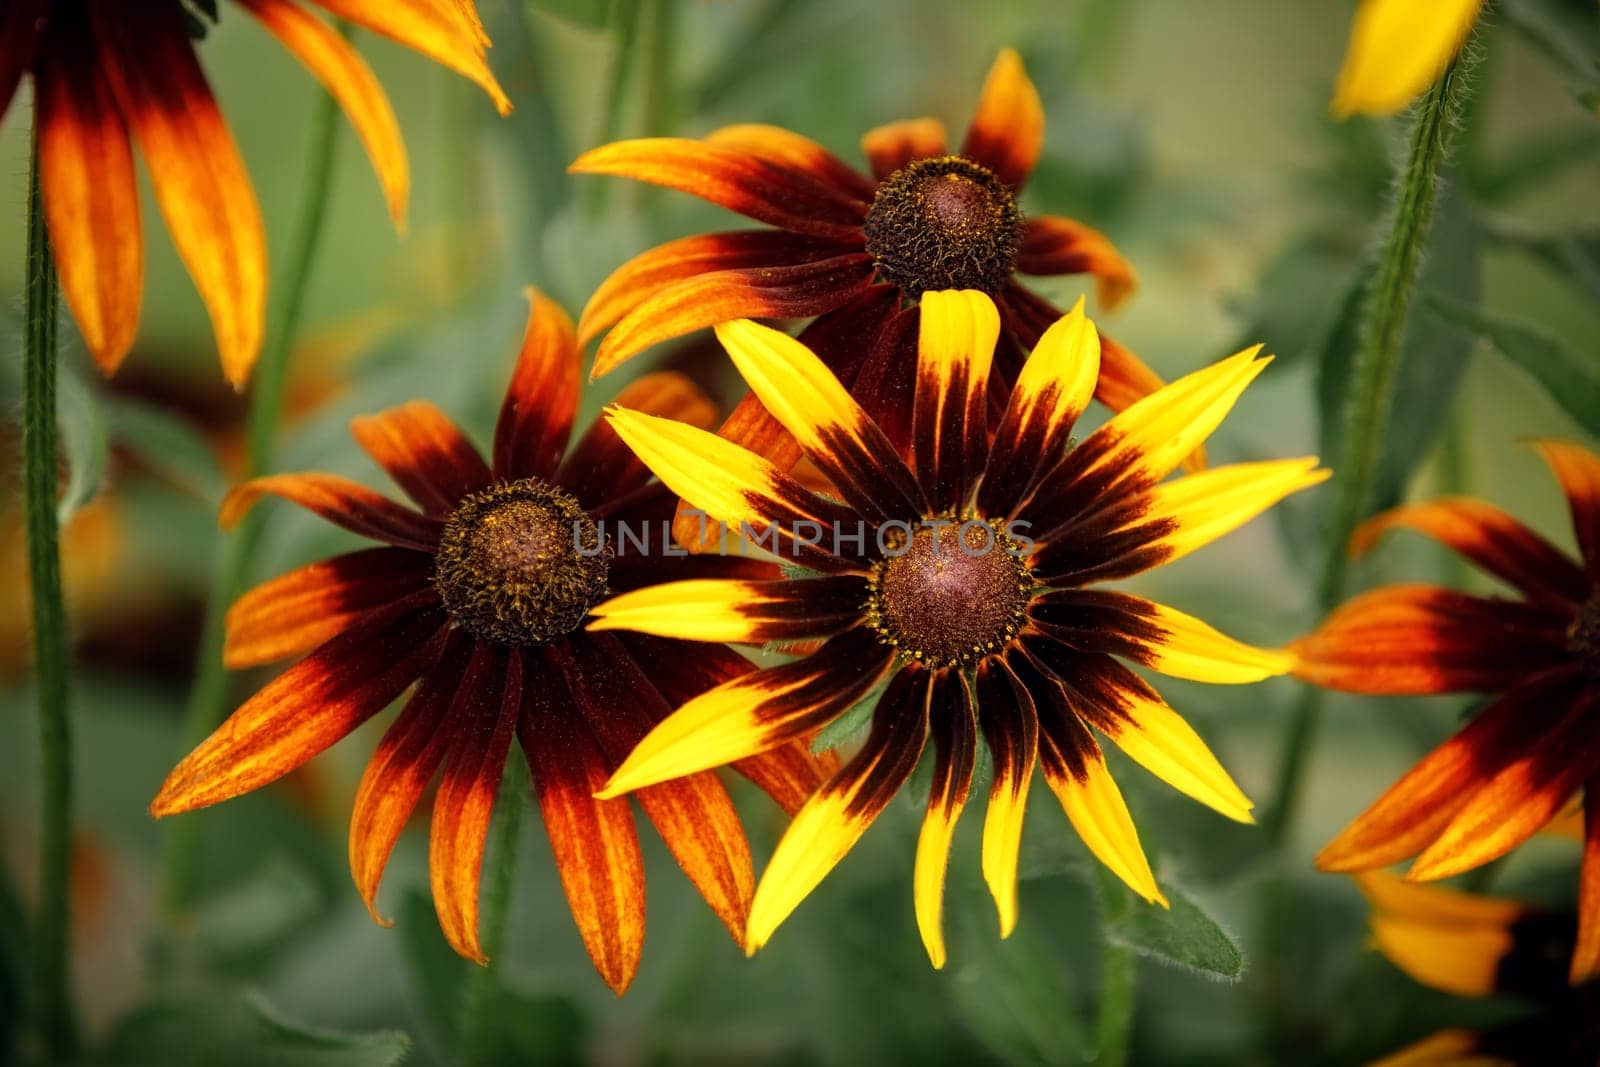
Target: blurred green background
1195 135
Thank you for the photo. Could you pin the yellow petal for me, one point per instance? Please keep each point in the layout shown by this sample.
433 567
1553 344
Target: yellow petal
1203 507
1094 805
1397 49
1193 649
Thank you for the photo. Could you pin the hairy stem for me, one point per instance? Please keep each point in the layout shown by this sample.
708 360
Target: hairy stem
479 1008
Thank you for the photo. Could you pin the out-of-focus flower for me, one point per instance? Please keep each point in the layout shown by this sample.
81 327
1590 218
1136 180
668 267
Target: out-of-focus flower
1477 946
958 580
1521 759
854 249
106 69
93 560
1398 48
481 592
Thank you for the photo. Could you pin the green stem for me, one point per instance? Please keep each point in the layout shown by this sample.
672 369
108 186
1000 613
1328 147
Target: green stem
479 1008
1368 396
52 940
1114 1025
208 697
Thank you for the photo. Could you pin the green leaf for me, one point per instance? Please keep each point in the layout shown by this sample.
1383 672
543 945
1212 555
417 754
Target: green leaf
241 1032
1573 383
168 445
82 426
849 724
1182 936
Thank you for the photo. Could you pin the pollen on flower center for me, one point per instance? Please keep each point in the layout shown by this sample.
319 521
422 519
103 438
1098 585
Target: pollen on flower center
520 563
944 223
1585 637
950 594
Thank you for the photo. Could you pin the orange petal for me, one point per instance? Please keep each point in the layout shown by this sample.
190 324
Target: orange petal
784 292
733 178
308 707
340 501
1054 245
601 468
542 399
789 149
1427 639
1008 130
892 146
1489 537
595 845
1519 799
1586 956
91 194
347 77
296 612
200 181
484 718
1415 809
425 453
1578 471
405 762
649 272
439 32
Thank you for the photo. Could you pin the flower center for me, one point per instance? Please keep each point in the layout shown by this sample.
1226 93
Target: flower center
944 223
520 563
1584 637
949 594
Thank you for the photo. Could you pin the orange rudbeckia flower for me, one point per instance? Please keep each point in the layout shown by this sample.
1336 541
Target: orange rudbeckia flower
854 249
1513 768
478 596
107 73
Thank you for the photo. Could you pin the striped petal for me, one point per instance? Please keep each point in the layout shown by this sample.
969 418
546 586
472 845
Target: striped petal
340 501
1051 391
740 612
786 148
200 181
834 819
1578 471
803 394
1415 809
950 420
789 291
649 272
410 754
729 484
1153 635
600 468
1397 49
1119 704
955 739
732 178
425 453
1076 771
308 707
1488 537
1007 132
693 814
542 398
790 773
1054 245
756 712
595 844
1586 954
1011 731
439 31
348 79
1519 799
890 147
91 193
1405 639
298 611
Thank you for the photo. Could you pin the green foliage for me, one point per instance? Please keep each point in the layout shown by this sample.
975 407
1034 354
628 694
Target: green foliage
1182 936
169 445
243 1032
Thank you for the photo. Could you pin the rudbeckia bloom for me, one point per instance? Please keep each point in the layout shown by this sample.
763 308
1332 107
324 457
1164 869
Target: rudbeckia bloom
960 581
852 249
1469 945
478 595
105 69
1516 765
1398 48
